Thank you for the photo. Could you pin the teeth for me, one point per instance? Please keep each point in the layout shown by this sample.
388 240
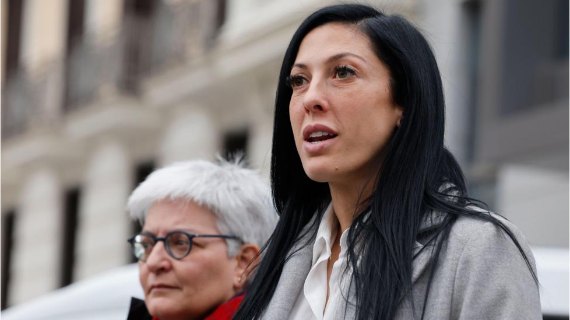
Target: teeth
319 134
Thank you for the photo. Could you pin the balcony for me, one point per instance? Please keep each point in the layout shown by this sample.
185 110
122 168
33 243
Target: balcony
153 38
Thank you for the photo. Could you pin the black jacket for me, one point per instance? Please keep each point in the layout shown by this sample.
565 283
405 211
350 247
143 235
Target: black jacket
138 310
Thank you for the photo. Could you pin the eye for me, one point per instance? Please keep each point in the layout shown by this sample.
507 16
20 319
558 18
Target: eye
181 242
343 72
147 244
296 81
178 239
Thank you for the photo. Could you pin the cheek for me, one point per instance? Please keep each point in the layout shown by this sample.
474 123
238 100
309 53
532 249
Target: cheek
371 127
209 272
143 276
296 116
208 284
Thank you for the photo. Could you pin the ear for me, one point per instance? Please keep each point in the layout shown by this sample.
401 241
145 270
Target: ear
246 259
399 115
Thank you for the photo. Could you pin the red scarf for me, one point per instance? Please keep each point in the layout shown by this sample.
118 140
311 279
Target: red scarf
225 311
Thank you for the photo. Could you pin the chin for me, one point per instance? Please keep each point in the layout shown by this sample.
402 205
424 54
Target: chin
317 171
163 313
163 308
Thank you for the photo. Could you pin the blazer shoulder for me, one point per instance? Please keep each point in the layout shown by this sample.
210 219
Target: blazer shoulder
489 266
474 231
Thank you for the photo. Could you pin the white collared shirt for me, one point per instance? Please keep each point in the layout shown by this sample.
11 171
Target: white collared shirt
310 303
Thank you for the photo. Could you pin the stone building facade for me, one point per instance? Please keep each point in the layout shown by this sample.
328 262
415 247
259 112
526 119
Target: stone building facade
98 93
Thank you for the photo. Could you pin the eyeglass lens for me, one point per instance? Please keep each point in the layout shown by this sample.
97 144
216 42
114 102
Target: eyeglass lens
177 244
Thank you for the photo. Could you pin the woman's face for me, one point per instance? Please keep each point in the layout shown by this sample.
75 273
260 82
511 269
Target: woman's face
192 287
341 109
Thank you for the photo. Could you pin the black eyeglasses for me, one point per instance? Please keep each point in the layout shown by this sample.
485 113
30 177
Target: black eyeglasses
178 244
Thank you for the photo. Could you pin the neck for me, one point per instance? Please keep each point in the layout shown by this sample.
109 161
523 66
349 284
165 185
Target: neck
345 200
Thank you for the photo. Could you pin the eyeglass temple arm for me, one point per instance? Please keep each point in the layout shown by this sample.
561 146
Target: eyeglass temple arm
225 236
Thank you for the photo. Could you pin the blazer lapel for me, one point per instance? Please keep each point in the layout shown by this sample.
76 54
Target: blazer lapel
297 268
421 261
292 279
422 254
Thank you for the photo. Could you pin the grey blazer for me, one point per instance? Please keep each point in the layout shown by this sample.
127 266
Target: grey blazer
480 275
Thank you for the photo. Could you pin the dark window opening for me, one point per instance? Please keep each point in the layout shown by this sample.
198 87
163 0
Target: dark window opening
138 24
75 23
561 50
235 144
142 171
13 37
220 14
71 214
7 245
14 107
472 17
73 95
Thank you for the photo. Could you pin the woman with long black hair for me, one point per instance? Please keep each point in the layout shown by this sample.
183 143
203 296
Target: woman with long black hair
375 219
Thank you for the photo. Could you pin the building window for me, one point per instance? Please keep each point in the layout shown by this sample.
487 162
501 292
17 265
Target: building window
561 50
7 245
235 143
14 113
74 93
71 214
142 171
220 14
13 41
138 24
75 23
472 16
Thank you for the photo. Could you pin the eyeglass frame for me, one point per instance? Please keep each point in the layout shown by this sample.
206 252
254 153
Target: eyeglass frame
190 236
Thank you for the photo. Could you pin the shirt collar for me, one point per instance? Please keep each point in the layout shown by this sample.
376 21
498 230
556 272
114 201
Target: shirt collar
327 227
327 233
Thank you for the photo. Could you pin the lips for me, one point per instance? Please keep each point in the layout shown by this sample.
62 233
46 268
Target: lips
317 137
318 132
161 286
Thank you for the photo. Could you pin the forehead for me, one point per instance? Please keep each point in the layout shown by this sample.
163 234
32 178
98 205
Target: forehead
332 38
167 215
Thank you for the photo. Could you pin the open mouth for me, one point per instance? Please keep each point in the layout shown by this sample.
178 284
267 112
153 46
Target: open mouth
319 136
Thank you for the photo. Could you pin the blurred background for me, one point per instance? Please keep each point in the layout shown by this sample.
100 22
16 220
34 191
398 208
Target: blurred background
98 93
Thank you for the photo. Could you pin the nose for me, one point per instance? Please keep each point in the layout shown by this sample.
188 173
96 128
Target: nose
315 99
158 259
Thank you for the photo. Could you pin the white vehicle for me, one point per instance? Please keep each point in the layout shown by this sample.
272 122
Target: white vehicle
107 296
552 265
103 297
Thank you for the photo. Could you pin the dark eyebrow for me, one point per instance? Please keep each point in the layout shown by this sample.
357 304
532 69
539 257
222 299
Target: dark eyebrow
299 65
342 55
337 56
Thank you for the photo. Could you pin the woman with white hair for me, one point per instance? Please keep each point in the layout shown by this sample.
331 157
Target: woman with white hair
203 225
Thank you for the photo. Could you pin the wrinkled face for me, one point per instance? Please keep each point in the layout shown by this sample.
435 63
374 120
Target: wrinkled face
192 287
341 109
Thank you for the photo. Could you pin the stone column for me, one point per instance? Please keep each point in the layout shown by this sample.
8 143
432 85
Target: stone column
38 228
103 224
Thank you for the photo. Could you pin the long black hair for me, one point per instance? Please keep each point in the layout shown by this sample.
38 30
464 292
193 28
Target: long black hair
417 175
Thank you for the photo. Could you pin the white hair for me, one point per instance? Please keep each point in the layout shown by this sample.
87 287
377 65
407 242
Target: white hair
238 196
